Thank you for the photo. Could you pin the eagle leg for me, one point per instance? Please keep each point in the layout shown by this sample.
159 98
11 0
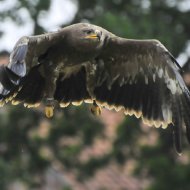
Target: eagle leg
91 78
50 87
91 69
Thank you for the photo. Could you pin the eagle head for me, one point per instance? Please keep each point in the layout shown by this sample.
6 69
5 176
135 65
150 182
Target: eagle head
85 37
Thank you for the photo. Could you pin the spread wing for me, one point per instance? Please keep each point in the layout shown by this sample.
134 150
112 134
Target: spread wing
24 56
70 89
142 78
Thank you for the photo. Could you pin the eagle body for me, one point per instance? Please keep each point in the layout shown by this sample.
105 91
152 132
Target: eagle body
84 62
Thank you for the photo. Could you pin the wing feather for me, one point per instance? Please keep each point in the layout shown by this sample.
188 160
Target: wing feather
72 88
143 78
24 56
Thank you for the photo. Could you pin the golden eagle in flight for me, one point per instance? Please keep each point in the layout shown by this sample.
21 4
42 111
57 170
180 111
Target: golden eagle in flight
84 62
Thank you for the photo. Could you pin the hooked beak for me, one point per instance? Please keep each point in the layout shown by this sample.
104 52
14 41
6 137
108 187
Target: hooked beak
95 35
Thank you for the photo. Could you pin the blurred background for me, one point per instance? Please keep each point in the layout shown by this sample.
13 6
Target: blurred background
75 150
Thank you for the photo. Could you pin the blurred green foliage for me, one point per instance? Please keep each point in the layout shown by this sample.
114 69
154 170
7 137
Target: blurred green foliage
25 154
26 151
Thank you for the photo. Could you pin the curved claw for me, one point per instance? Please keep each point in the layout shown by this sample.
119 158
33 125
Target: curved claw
96 110
49 111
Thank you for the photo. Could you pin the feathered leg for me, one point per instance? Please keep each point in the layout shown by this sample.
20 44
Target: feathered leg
90 84
51 77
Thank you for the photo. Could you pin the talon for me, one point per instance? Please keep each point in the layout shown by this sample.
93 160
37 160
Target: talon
49 111
96 110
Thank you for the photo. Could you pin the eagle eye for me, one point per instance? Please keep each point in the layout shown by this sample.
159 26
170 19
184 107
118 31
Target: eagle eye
88 31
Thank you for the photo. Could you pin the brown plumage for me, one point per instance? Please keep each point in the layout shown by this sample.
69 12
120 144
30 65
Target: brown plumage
84 62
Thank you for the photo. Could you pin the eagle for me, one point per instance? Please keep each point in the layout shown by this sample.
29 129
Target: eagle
86 63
